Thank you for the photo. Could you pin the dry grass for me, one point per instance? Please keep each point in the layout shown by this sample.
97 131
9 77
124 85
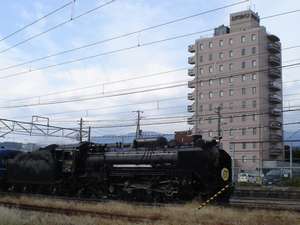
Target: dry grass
172 215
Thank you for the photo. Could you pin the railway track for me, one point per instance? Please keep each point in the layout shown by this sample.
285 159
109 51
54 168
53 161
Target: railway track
79 212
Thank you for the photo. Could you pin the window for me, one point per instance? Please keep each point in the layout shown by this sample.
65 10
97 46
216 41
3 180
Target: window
221 105
231 146
253 37
210 94
243 52
254 145
231 119
201 71
221 55
253 90
254 76
221 80
230 79
210 82
210 108
230 53
253 63
254 131
210 57
243 39
243 118
210 69
210 133
244 145
210 44
200 108
230 132
221 93
254 104
243 77
243 131
243 157
200 58
221 68
201 83
243 91
253 50
230 41
200 120
231 105
221 43
201 95
230 66
231 92
243 104
254 158
243 65
201 46
254 117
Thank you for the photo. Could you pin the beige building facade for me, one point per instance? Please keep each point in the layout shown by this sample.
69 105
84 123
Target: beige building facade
236 90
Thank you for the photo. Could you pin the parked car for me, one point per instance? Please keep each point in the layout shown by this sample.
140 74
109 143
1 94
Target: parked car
246 178
275 176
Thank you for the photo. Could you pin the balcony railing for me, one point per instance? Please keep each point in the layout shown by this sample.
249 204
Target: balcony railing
190 108
191 48
191 84
274 60
275 137
191 60
274 86
274 47
191 121
191 72
275 112
275 125
191 96
275 73
275 99
273 38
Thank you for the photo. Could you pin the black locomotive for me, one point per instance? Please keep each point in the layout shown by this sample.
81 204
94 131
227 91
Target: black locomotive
149 170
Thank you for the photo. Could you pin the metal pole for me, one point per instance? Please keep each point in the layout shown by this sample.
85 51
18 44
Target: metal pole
80 130
291 161
232 164
89 135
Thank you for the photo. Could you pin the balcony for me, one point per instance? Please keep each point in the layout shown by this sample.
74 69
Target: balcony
191 60
275 73
273 38
191 72
191 121
275 99
191 108
191 84
275 138
275 125
275 86
191 48
191 96
275 112
274 47
274 60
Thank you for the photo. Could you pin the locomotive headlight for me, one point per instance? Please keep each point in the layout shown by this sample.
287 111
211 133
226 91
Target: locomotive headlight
225 174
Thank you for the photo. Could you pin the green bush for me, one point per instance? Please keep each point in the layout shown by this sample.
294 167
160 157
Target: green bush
294 182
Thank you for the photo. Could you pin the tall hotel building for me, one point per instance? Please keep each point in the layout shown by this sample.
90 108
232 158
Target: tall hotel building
236 90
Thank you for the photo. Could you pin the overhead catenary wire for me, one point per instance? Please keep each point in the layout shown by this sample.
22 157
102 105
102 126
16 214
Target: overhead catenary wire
37 20
136 32
57 26
135 92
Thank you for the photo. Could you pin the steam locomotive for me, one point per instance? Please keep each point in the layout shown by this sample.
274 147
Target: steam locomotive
148 170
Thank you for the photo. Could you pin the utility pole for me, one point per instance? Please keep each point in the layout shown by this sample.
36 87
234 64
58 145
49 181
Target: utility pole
138 124
291 161
89 135
80 130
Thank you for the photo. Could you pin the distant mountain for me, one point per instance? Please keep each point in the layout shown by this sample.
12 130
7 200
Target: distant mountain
128 138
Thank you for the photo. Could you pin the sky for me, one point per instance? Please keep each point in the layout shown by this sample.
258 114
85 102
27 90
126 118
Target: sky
114 19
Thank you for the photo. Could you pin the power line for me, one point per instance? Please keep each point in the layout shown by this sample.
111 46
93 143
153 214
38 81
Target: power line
37 20
137 32
57 26
133 92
